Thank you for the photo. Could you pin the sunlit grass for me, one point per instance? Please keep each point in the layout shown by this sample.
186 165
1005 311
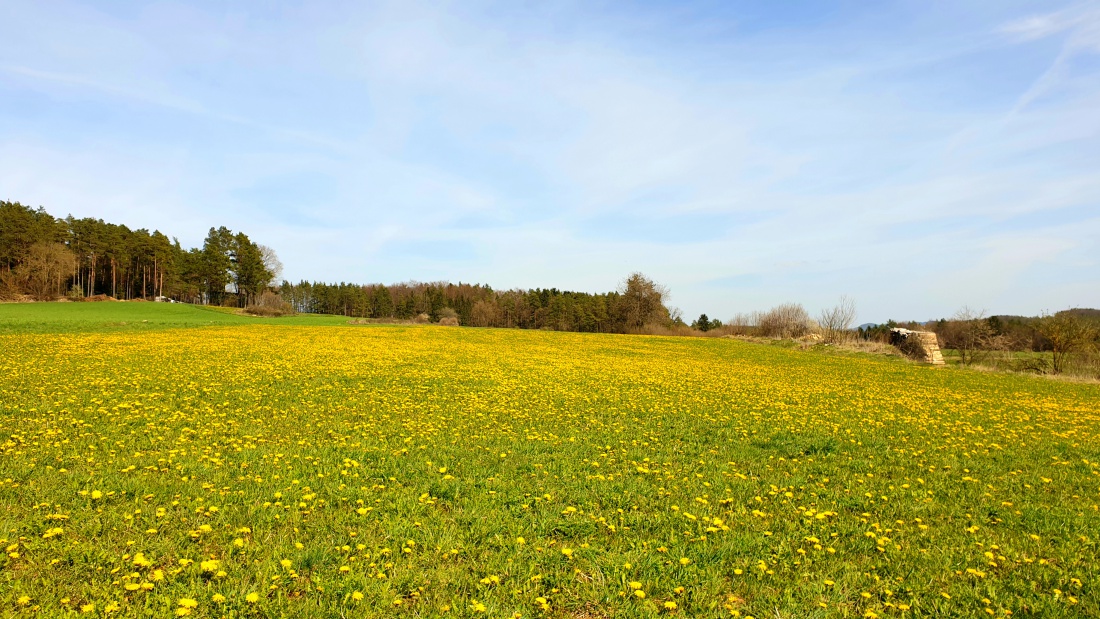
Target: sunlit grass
262 470
132 316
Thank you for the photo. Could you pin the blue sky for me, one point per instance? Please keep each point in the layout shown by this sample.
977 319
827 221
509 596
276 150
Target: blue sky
916 156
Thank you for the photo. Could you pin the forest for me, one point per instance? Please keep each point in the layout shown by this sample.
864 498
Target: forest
44 257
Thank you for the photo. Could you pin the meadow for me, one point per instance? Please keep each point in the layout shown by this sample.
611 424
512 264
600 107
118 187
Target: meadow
212 465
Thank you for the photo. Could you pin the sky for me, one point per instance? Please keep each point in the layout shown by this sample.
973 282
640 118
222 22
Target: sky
915 156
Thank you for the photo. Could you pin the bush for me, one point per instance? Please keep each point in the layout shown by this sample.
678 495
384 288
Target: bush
271 305
789 320
912 347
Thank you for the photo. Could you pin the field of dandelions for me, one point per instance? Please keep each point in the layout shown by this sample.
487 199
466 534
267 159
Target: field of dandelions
266 470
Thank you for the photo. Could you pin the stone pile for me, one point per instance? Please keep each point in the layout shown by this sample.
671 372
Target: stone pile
928 343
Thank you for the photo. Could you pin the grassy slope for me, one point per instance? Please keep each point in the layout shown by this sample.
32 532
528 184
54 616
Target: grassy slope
129 316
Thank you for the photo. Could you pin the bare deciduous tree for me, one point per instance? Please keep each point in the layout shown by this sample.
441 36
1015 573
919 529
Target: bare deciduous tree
744 323
484 314
271 263
46 269
970 333
836 322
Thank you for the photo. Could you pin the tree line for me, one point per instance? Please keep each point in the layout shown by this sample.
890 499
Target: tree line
46 257
638 304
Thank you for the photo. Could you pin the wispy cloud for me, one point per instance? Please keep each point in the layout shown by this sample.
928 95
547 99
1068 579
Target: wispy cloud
1079 27
1081 22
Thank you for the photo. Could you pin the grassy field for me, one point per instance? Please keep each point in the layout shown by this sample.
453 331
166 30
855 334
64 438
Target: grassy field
252 468
1081 365
132 316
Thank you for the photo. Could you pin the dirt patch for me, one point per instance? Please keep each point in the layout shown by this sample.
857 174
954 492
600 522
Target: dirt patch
589 611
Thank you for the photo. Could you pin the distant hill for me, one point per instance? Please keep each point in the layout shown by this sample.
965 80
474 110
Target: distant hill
1083 312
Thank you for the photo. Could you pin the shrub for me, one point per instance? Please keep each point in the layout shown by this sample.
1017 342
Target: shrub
912 347
789 320
270 304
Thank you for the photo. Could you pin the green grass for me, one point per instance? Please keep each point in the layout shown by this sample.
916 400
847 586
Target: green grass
133 316
268 469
